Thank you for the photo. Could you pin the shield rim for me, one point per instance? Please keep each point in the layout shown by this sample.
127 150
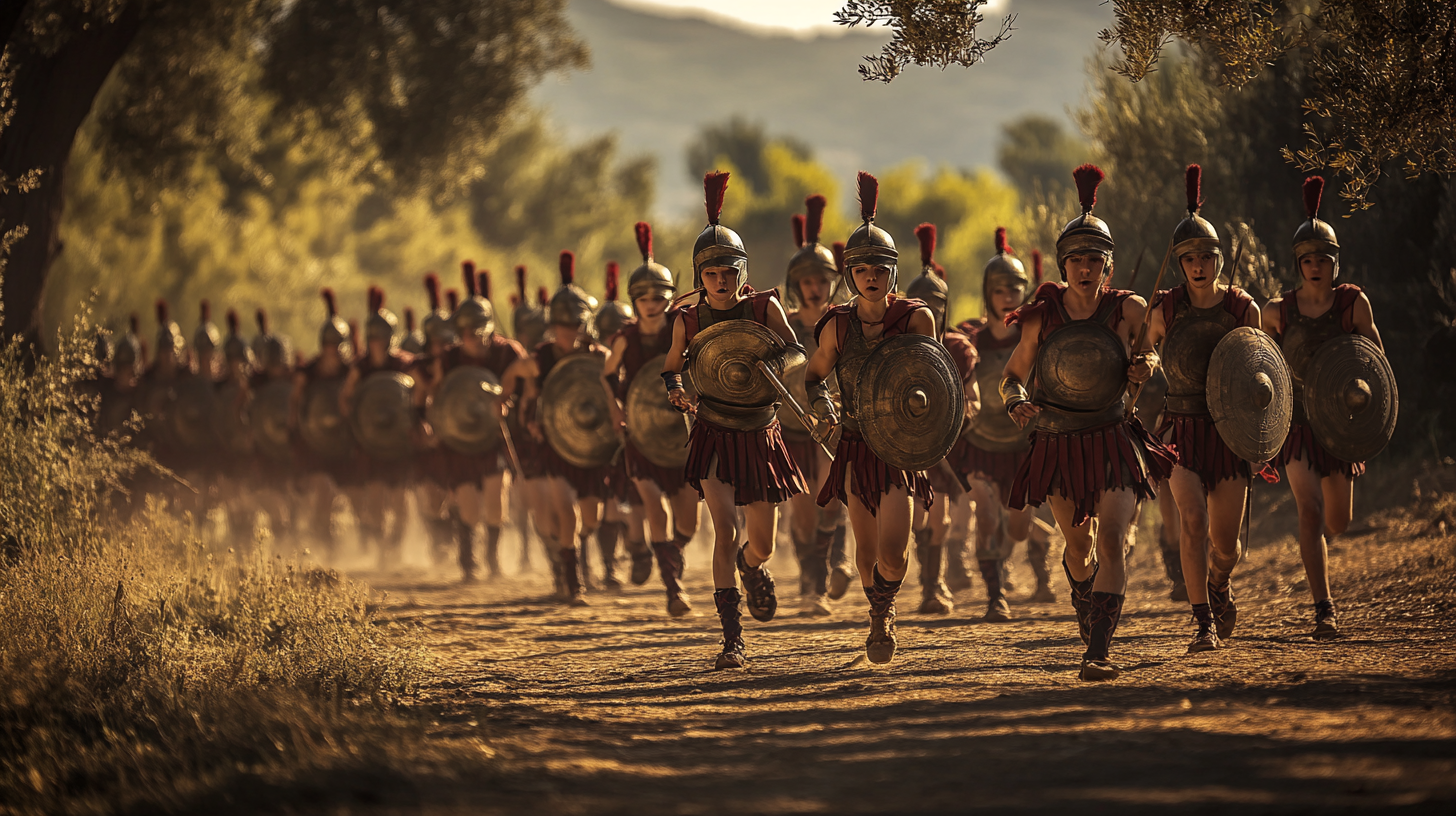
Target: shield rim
548 427
392 453
1315 418
1212 392
711 334
644 383
864 397
434 413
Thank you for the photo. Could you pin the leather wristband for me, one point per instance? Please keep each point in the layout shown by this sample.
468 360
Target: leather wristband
673 380
1013 393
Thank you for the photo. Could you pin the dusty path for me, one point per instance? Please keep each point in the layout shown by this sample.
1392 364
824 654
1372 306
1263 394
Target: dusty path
613 709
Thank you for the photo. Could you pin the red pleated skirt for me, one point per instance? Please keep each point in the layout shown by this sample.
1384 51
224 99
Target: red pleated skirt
668 480
1200 449
872 477
999 469
805 453
1301 444
756 463
1081 465
586 482
451 469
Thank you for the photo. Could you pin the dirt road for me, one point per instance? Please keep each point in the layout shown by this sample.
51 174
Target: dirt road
614 709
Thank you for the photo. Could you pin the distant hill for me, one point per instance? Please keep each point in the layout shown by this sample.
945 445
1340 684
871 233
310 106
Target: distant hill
655 80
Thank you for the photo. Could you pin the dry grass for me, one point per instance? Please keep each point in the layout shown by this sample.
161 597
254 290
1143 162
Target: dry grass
138 670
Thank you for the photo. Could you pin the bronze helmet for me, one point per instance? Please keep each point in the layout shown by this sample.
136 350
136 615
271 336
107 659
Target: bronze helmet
270 349
169 334
570 306
437 326
613 314
381 323
234 348
528 320
1086 232
651 275
127 354
930 285
474 315
206 339
717 245
1195 233
414 340
1005 269
1315 236
812 258
869 244
334 333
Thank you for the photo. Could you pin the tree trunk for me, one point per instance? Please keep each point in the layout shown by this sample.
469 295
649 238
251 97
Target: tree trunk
52 96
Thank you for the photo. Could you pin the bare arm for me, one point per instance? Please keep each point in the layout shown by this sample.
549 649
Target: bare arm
822 363
922 322
676 359
1252 317
1365 321
779 323
1018 368
1144 359
1269 316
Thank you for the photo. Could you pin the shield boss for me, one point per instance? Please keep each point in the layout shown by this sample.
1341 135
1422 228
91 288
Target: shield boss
910 401
1250 394
321 423
1350 398
723 362
268 418
574 414
465 412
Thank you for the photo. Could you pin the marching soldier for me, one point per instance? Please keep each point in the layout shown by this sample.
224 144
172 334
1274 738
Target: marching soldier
736 452
1355 415
377 401
931 527
577 477
1208 482
655 460
879 495
326 450
809 286
270 391
234 438
159 396
622 510
1087 458
467 402
995 446
414 339
432 461
530 502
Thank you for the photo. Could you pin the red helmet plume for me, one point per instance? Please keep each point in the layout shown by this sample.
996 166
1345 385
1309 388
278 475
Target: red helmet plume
163 311
1193 187
869 195
452 298
1002 246
205 310
543 297
1035 268
814 222
1314 190
135 323
432 289
715 187
1087 177
521 281
232 321
409 320
925 234
467 272
643 231
262 319
614 272
838 250
482 283
329 302
568 267
796 223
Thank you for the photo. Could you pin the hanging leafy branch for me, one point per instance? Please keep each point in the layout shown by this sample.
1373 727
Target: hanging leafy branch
939 32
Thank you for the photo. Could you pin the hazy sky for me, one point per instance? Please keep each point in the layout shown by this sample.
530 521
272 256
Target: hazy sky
798 16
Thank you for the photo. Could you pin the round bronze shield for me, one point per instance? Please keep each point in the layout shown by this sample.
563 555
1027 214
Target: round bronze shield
233 432
384 416
268 419
1081 366
1250 394
1186 352
910 401
657 429
321 423
723 362
992 430
1350 398
194 413
1151 399
465 412
574 414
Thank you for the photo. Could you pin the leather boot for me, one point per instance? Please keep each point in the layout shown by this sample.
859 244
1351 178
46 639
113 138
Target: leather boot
465 541
1104 614
1081 599
571 576
608 535
1172 565
492 550
735 653
670 565
957 577
641 555
934 595
1038 555
997 609
841 568
881 643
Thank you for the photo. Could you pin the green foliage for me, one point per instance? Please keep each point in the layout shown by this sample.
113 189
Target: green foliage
926 32
1036 150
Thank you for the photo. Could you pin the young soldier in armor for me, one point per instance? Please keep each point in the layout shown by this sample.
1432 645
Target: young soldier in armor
575 493
235 465
530 501
932 527
1209 482
736 453
414 339
651 287
1087 458
879 497
324 473
158 395
811 281
274 465
475 481
383 481
1301 320
622 510
995 446
433 463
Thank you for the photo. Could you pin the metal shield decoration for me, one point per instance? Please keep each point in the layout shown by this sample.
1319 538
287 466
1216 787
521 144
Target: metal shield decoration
268 419
910 401
384 415
234 434
1081 366
723 362
658 430
321 423
574 414
1250 394
194 413
465 412
1350 397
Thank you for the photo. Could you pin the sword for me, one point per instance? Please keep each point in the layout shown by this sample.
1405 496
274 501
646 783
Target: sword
794 405
1143 332
510 445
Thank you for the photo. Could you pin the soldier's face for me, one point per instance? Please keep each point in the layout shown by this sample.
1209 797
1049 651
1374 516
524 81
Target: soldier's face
720 281
1006 298
873 282
650 306
814 290
1085 270
1200 269
1317 268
